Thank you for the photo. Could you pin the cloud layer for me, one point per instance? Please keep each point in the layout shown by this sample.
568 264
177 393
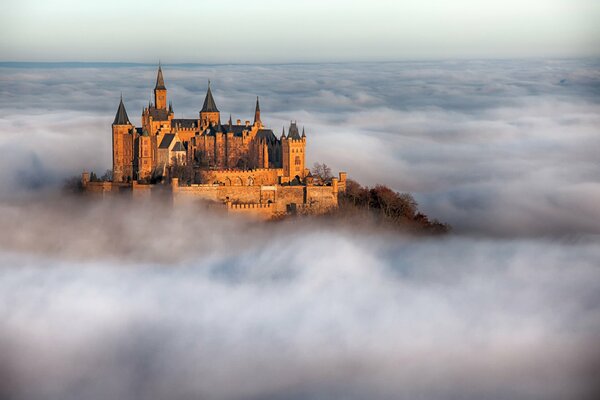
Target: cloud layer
121 300
109 305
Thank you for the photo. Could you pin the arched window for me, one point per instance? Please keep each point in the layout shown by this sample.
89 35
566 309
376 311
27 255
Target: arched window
298 161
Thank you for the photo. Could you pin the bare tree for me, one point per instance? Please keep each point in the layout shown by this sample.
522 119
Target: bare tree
321 171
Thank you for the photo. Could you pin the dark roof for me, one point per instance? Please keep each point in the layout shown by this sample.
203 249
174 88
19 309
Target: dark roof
121 118
236 129
178 147
166 142
293 131
158 114
139 130
209 102
185 123
266 134
160 82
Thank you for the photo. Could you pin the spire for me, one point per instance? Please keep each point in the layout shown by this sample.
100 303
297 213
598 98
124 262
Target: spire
209 102
170 107
121 118
303 134
283 132
257 112
160 82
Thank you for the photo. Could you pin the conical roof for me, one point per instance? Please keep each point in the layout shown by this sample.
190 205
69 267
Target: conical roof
121 118
160 82
209 102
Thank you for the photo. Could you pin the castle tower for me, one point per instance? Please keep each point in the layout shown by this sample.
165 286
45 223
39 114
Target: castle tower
160 91
257 114
293 152
209 113
122 143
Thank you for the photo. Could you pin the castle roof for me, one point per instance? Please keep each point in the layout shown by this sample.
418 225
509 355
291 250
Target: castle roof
178 147
266 134
121 118
293 132
166 141
160 82
209 102
235 129
185 123
158 114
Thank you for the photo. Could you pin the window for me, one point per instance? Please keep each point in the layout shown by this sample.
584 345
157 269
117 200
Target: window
298 161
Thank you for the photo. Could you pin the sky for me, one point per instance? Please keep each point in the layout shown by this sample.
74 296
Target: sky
270 31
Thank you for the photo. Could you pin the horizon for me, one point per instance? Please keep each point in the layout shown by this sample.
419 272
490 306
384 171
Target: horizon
317 62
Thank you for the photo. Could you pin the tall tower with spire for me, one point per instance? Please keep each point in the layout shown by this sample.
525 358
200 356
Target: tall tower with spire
160 91
209 113
122 138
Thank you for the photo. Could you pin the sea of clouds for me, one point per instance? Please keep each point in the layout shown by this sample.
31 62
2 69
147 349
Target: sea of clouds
139 300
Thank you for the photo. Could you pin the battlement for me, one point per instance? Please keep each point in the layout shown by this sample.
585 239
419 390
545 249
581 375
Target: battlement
239 170
248 206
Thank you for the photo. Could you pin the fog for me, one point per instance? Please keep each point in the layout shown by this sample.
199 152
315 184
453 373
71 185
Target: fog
117 299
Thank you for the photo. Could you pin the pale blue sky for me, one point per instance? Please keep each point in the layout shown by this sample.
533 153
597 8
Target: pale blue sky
213 31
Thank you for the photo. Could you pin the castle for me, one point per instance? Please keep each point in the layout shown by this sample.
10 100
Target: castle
243 166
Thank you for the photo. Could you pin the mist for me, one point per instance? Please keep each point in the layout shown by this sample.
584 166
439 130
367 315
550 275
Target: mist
124 299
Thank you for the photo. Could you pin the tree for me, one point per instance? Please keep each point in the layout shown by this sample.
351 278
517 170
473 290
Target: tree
392 204
321 171
181 169
356 194
108 176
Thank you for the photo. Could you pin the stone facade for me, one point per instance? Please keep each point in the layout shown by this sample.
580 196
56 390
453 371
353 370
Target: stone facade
242 166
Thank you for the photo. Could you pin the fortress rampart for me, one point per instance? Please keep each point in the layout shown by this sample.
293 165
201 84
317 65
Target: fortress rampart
263 201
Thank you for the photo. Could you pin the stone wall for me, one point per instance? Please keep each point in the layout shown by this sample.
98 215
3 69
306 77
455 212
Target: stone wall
256 200
234 177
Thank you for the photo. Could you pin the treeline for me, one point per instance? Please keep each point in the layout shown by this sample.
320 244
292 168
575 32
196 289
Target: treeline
386 205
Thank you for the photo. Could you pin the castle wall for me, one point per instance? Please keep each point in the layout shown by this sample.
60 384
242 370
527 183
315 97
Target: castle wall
321 198
260 176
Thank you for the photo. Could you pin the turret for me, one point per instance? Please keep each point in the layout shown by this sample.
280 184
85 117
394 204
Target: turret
293 152
160 91
122 145
209 113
